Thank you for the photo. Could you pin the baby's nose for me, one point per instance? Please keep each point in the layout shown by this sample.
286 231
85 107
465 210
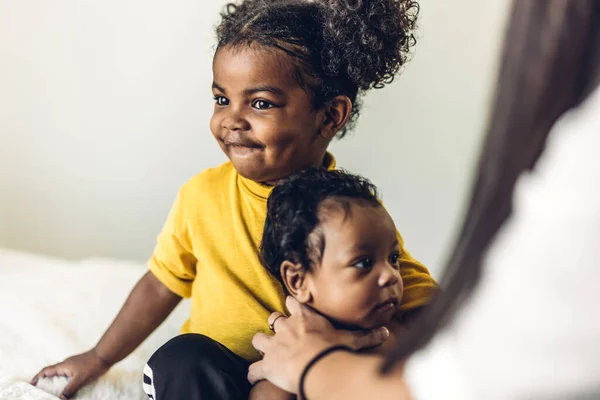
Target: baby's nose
389 276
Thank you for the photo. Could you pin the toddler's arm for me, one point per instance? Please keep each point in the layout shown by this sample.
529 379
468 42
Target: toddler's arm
148 305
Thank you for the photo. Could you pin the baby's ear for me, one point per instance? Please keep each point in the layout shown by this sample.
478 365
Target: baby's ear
294 279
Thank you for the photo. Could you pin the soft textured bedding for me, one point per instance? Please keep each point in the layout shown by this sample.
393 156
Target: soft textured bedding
51 309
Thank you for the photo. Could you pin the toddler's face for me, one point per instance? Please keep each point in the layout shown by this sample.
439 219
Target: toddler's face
358 283
263 120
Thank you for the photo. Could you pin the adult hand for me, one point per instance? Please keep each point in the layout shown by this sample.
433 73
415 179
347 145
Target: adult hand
81 369
297 340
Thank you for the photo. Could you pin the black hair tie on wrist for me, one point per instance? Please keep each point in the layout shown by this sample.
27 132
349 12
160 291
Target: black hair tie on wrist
314 360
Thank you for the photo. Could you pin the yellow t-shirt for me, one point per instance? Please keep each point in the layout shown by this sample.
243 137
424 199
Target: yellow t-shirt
208 250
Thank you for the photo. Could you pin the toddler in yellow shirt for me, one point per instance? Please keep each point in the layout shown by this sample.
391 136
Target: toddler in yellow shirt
288 76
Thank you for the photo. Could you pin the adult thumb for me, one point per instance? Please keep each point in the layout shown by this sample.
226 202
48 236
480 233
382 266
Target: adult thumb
372 338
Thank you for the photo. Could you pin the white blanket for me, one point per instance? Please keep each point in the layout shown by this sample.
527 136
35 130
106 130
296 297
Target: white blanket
51 309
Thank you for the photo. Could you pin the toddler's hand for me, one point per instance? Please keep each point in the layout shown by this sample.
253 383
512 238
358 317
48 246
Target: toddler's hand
81 369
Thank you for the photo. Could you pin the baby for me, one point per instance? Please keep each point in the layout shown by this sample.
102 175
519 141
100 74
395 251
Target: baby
333 246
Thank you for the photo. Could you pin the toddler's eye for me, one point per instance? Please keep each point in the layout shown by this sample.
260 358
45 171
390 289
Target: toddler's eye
365 263
221 101
394 258
262 105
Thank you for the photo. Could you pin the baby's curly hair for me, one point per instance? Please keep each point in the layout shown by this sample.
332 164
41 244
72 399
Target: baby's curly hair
293 214
340 47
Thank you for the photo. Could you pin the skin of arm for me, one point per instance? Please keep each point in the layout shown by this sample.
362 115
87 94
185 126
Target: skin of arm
148 305
265 390
329 377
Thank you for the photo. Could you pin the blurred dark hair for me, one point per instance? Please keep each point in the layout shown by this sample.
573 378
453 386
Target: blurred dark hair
293 214
339 47
550 63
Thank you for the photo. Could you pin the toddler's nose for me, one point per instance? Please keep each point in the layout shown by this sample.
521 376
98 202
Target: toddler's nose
235 121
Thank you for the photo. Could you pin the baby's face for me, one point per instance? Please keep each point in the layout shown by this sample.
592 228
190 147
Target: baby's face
358 283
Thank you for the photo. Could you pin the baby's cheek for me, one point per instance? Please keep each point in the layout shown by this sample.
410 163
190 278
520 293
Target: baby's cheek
342 304
358 307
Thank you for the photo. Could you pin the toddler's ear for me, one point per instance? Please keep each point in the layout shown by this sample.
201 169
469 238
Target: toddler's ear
294 279
337 113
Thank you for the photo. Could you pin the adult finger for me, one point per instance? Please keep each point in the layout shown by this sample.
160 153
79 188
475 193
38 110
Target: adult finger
293 306
255 372
260 341
273 318
362 340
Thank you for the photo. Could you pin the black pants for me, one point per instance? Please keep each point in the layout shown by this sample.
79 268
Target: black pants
195 367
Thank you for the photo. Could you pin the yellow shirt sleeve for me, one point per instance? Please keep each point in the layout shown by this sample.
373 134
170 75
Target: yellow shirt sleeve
419 286
173 262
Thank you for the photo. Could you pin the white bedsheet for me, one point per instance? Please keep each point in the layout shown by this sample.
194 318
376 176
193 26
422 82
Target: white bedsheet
51 309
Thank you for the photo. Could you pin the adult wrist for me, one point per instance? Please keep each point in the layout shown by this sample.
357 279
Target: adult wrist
318 357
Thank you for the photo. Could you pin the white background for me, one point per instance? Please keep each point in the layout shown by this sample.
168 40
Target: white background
104 111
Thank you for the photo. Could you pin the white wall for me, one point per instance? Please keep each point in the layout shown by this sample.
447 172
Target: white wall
104 110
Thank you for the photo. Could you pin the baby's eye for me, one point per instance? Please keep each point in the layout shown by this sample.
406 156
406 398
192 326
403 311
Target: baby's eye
365 263
221 101
262 105
395 258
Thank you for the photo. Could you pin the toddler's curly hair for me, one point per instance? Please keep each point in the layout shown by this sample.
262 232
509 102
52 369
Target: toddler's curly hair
339 47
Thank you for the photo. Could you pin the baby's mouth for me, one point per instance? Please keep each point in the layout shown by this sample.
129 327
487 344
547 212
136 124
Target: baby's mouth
390 304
